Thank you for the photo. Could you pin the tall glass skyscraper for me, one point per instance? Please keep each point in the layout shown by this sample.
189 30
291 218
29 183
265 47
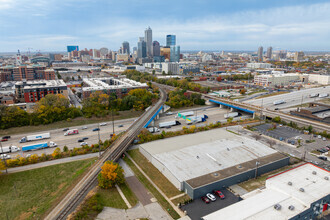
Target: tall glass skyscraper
125 47
175 53
170 40
142 48
148 40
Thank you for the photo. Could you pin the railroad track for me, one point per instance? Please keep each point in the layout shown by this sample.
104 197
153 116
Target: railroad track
75 196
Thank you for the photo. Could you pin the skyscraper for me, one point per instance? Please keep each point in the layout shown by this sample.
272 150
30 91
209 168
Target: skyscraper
269 52
148 40
155 48
125 47
175 53
260 53
142 48
170 40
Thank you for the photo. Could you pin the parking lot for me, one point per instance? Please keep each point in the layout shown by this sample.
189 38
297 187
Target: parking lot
278 133
198 208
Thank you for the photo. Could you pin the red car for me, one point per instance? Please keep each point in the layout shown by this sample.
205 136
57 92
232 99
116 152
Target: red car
4 139
205 199
219 193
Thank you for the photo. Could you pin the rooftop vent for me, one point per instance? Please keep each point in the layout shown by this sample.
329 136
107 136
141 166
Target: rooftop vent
239 166
326 178
290 183
277 206
314 172
301 190
215 174
291 207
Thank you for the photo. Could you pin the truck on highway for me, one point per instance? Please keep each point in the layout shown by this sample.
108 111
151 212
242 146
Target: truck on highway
169 124
39 146
278 102
232 115
323 95
9 149
153 129
35 137
313 95
71 132
196 119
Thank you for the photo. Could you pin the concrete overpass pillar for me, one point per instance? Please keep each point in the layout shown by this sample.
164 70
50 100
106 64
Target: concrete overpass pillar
231 109
153 123
221 106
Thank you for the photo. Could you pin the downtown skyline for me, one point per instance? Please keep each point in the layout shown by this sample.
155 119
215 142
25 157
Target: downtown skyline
199 25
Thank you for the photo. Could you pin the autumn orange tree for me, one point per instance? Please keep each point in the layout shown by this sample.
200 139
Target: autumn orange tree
111 174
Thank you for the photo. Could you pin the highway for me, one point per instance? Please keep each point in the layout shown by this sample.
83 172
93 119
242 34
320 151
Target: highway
72 198
291 99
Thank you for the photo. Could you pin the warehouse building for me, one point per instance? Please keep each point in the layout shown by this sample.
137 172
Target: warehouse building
109 85
201 162
273 80
300 193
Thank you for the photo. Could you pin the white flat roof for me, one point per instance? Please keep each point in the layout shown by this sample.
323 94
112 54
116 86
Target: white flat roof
259 204
194 155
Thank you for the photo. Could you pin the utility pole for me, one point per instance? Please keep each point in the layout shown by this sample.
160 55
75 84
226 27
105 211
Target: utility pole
3 158
113 123
302 98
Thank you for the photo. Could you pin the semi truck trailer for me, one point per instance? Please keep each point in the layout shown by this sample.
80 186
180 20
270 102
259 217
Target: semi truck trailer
9 149
35 137
169 124
39 146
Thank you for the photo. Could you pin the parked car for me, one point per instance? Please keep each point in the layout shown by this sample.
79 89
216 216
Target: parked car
85 138
314 135
120 126
5 137
319 136
280 125
96 129
205 199
103 124
65 129
80 140
219 193
83 144
324 139
84 128
323 158
211 197
4 156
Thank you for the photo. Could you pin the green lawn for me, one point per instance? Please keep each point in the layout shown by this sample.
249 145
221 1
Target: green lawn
29 194
153 173
111 198
161 200
130 196
74 123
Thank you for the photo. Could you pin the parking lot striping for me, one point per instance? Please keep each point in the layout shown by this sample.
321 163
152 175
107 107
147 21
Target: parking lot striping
177 196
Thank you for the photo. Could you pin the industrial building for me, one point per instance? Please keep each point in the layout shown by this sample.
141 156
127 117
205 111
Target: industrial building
277 79
110 85
320 79
259 65
300 193
315 111
201 162
33 91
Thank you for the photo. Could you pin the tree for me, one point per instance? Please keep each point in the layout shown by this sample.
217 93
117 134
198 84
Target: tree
111 174
57 153
242 91
230 119
2 166
277 119
219 79
310 128
153 72
65 149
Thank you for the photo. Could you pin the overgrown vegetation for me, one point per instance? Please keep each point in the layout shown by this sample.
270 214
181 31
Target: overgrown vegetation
180 98
29 194
111 174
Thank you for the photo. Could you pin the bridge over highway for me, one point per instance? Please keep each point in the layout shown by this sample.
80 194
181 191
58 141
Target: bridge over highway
79 191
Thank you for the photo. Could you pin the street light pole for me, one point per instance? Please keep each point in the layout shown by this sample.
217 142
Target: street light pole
113 123
3 158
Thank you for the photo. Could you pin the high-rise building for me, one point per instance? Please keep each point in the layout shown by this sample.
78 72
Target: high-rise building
125 48
148 40
155 48
269 52
165 52
175 53
170 40
72 48
299 56
103 51
260 54
142 48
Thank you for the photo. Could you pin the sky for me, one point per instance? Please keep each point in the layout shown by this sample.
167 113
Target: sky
51 25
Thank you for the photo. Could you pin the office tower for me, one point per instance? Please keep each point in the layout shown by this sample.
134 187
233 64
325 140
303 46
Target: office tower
125 48
72 48
103 51
269 52
142 48
155 48
260 53
175 53
170 40
148 40
299 56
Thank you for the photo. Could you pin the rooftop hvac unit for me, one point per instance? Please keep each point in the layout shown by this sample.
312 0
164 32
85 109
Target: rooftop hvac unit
277 206
314 172
290 183
326 178
291 207
301 190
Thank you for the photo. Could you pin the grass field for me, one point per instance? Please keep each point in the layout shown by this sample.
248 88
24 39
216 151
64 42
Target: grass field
74 123
130 196
29 194
161 200
271 94
157 177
